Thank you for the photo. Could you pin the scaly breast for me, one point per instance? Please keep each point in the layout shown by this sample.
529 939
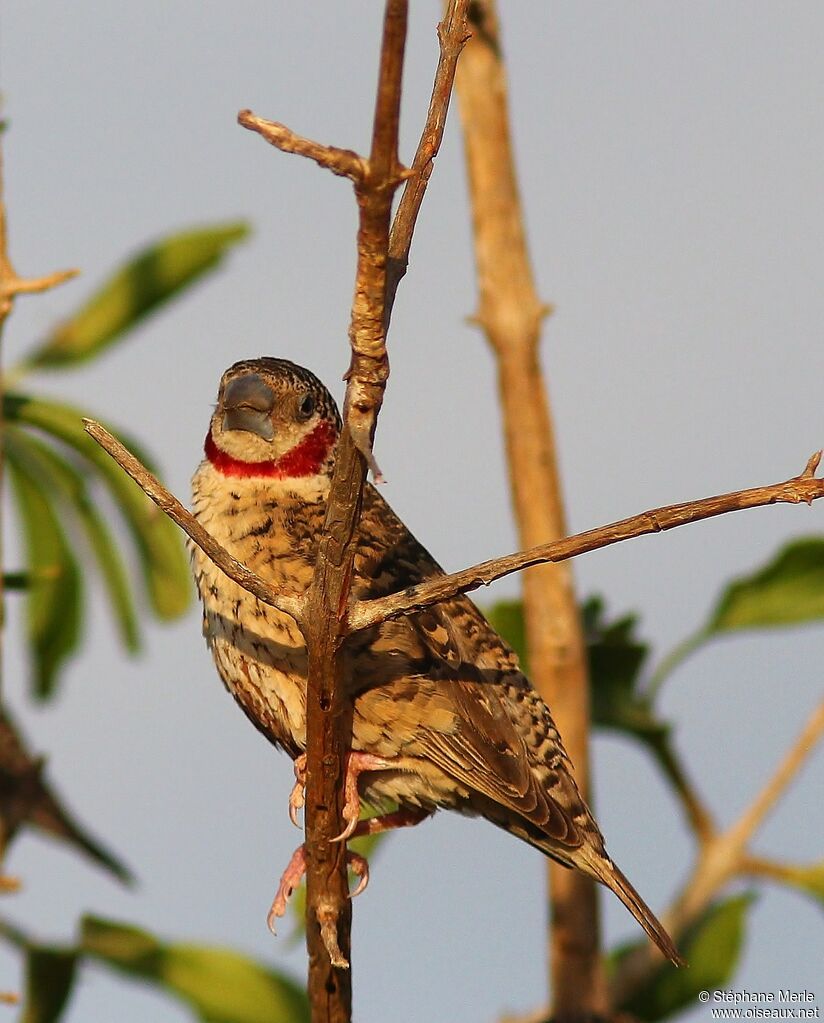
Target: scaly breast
259 652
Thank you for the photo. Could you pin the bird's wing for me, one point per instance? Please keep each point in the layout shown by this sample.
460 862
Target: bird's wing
467 680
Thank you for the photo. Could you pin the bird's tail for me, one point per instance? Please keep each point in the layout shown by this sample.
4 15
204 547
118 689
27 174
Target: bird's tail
605 871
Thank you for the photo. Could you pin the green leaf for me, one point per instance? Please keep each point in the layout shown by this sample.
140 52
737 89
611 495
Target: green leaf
54 601
157 539
711 947
144 283
788 590
57 476
616 658
50 974
221 985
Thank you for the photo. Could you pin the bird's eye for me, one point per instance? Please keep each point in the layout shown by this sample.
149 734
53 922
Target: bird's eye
306 406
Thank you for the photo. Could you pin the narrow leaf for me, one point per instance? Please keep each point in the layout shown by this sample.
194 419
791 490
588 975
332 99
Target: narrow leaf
64 479
157 539
29 800
50 974
788 590
143 284
221 985
54 601
711 947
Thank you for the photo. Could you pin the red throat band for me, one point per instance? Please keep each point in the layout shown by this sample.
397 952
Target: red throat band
305 459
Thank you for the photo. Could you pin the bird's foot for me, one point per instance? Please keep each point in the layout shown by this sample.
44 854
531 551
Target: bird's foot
357 763
296 867
293 875
297 797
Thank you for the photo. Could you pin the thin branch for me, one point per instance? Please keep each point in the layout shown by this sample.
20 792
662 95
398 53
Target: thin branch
12 285
804 488
343 162
169 504
328 708
749 822
452 36
722 858
771 870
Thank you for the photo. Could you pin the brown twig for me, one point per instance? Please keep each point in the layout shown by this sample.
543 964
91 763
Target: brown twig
510 313
804 488
328 720
452 36
328 713
170 505
748 823
723 857
342 162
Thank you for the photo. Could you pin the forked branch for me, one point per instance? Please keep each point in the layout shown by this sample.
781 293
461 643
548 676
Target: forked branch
328 713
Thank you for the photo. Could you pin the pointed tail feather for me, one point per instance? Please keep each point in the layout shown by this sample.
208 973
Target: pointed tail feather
608 874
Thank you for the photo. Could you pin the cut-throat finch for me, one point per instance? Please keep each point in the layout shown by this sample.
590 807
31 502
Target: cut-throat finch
443 716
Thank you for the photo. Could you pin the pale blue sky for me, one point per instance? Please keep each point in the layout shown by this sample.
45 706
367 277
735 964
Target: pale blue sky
671 158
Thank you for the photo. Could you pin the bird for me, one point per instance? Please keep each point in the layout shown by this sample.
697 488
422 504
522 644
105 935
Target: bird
443 716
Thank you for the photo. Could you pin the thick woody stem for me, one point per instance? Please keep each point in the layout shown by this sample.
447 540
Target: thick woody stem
328 711
510 314
805 488
328 708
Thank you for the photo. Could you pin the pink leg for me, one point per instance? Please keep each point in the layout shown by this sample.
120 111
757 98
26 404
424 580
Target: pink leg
293 875
290 879
356 764
390 822
297 795
296 867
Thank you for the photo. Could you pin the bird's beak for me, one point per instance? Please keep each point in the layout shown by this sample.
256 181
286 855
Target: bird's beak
247 405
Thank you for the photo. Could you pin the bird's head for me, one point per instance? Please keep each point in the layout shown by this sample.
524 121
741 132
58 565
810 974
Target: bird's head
272 418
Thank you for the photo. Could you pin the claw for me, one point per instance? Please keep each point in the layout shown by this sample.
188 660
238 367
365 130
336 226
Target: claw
297 797
293 875
356 764
360 868
351 824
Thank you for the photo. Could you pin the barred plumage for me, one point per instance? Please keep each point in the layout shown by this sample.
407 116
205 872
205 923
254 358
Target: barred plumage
438 696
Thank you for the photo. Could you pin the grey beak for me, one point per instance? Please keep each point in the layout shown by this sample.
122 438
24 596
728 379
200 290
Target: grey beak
247 405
